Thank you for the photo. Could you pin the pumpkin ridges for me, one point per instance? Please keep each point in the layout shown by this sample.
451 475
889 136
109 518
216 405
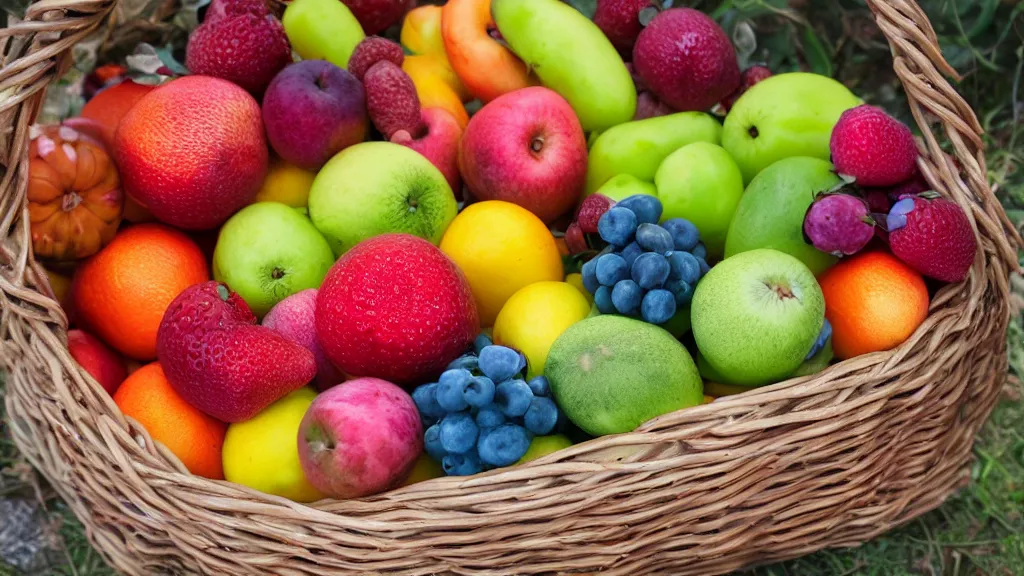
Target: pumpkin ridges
75 196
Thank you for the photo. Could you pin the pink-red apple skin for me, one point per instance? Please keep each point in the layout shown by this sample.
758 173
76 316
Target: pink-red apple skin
102 363
313 110
526 147
360 438
439 144
294 317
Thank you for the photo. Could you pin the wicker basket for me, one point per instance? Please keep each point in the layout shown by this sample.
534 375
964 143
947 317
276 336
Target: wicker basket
828 460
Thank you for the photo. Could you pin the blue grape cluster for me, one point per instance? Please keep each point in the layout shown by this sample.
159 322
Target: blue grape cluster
648 270
482 414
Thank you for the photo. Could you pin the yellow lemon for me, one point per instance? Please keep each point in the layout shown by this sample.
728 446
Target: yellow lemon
576 280
424 469
263 453
535 316
544 445
287 184
500 247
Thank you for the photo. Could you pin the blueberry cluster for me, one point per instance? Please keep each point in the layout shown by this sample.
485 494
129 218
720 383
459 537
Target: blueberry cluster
481 413
648 270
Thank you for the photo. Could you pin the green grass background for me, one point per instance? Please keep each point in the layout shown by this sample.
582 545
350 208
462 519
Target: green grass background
980 531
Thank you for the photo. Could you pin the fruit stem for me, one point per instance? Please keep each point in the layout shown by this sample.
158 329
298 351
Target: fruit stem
537 144
70 201
277 273
781 290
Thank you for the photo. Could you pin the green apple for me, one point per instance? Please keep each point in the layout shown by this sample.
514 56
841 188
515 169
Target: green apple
812 365
550 36
374 188
625 185
268 251
756 315
701 183
771 212
322 30
639 147
782 116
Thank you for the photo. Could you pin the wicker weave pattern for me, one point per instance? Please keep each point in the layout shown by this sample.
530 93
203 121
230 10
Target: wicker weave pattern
828 460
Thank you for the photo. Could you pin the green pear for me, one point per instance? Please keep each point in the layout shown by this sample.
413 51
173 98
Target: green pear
756 315
268 251
625 185
322 30
376 188
638 148
782 116
701 183
571 56
771 212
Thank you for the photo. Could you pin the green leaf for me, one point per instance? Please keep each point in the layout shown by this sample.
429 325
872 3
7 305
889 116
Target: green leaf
586 7
14 8
818 57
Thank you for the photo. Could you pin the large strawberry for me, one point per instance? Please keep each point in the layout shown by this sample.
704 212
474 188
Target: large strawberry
240 41
220 361
933 236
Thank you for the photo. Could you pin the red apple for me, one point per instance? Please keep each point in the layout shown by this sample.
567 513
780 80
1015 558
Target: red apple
102 363
312 111
360 438
439 144
526 147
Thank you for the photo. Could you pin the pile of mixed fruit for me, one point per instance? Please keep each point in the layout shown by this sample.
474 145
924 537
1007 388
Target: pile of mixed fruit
305 267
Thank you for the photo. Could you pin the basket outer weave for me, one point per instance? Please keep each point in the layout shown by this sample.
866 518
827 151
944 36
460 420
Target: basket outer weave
823 461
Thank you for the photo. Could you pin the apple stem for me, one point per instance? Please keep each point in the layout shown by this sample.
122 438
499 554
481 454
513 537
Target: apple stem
781 290
277 274
754 133
537 144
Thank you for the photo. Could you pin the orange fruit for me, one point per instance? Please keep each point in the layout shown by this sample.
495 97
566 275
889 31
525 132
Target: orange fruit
109 105
122 292
187 181
874 302
195 438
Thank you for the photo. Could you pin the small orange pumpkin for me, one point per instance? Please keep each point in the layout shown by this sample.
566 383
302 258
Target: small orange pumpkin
75 201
